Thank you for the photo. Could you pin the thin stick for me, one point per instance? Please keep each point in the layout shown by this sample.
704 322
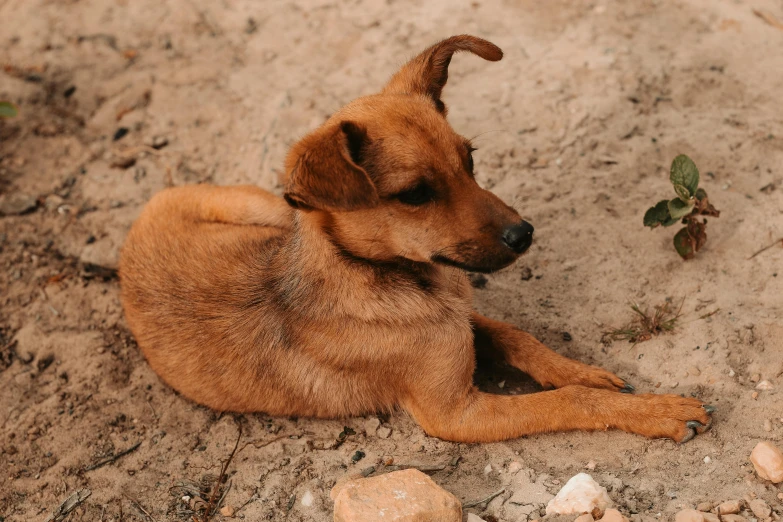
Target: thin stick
114 457
767 247
216 487
485 500
141 508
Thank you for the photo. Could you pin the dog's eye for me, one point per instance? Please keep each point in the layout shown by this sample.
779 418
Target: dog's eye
416 196
471 149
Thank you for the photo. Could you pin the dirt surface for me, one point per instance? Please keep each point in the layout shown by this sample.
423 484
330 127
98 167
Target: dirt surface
576 127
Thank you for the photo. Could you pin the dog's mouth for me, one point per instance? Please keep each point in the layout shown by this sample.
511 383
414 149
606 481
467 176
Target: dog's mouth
470 267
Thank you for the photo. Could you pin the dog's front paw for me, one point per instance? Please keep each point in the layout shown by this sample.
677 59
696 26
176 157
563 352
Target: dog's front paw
573 372
669 416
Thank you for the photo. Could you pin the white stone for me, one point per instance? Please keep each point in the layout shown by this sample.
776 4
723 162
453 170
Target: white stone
764 385
474 518
581 494
307 499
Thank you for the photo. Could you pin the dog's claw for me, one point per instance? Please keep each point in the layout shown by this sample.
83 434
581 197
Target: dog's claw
709 409
694 425
688 436
628 388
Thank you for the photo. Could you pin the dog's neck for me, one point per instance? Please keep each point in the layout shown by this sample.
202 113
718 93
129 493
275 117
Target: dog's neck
322 276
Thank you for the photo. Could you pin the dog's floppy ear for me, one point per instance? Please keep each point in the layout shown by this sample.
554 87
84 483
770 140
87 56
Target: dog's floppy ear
428 72
324 170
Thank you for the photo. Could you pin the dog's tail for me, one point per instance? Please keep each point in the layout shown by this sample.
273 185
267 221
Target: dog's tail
235 205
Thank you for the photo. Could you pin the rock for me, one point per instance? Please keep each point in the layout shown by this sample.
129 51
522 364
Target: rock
307 499
760 508
474 518
526 492
733 518
768 461
711 517
707 460
227 511
612 515
591 465
402 496
705 506
730 507
53 202
587 517
694 371
371 425
16 203
383 432
689 515
514 467
581 494
764 385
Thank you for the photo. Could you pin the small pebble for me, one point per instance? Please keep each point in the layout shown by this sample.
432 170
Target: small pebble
707 460
581 494
764 385
307 499
567 336
768 461
488 469
694 371
476 518
754 395
733 518
755 377
705 506
689 515
732 373
760 508
227 511
711 517
591 465
383 432
730 507
674 384
514 467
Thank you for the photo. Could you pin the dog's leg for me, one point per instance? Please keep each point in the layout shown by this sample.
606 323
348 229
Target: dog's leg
468 415
504 342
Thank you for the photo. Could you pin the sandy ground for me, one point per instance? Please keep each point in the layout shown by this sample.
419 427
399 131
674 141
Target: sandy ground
576 127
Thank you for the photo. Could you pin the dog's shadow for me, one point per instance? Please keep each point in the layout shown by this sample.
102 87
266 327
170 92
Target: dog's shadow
502 379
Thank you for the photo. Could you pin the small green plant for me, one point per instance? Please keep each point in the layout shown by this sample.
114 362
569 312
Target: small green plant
7 109
690 204
645 324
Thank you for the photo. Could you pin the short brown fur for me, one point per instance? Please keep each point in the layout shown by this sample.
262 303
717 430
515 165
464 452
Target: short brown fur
349 296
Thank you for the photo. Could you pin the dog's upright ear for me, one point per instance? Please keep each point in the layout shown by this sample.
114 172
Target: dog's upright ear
324 170
428 72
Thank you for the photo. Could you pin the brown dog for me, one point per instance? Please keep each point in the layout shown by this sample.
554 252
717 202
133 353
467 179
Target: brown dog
349 296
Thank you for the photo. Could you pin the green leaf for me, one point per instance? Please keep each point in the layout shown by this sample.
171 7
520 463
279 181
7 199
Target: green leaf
7 109
682 193
657 215
682 243
669 222
684 173
679 208
700 194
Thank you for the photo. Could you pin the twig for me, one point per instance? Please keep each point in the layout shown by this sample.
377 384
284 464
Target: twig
425 468
771 20
114 457
484 500
219 481
140 507
767 248
68 505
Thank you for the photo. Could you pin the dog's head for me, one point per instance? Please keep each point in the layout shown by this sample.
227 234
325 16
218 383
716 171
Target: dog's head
389 178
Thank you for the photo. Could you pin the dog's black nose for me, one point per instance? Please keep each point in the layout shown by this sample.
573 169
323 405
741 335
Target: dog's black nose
518 237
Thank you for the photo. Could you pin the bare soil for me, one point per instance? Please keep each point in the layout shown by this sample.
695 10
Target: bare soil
576 127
